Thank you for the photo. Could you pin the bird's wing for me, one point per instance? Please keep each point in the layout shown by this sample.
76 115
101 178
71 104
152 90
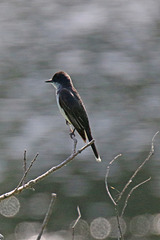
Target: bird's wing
73 107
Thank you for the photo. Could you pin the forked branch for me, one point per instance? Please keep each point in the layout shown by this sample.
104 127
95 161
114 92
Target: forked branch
116 202
32 182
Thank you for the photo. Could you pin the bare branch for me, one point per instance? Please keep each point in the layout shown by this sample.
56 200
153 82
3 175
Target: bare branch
118 222
139 168
77 220
129 194
24 164
47 216
26 172
32 182
79 216
25 161
74 140
116 203
106 178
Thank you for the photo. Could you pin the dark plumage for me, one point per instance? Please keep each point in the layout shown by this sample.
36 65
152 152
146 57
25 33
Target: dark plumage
72 107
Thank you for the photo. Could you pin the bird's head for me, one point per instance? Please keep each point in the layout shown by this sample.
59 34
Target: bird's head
60 79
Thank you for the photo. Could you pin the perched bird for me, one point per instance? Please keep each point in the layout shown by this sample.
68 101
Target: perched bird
71 107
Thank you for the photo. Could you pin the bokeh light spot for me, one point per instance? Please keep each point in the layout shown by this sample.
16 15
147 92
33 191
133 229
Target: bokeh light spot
81 230
37 205
100 228
1 237
9 207
155 228
140 225
114 227
27 230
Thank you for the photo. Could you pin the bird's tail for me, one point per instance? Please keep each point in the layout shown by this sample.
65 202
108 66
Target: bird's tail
89 136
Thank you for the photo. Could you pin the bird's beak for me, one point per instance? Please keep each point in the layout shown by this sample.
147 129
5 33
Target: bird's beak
48 81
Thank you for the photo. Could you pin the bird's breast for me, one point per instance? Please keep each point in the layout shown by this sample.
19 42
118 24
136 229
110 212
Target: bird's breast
61 109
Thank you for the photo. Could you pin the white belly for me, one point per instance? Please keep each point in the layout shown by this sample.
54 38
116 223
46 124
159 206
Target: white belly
61 110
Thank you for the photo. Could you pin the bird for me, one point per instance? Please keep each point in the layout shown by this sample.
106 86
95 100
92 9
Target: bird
72 107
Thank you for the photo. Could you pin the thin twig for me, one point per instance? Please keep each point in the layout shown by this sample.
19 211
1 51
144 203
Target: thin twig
106 178
77 220
139 168
75 142
32 182
25 161
116 203
24 164
26 172
47 216
129 194
118 222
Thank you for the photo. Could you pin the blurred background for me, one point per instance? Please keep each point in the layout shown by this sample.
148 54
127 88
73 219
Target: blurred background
111 49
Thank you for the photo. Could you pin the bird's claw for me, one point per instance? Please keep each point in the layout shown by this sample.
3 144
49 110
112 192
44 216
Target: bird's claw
72 134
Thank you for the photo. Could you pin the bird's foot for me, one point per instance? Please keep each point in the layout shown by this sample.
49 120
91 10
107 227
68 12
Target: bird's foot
72 134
